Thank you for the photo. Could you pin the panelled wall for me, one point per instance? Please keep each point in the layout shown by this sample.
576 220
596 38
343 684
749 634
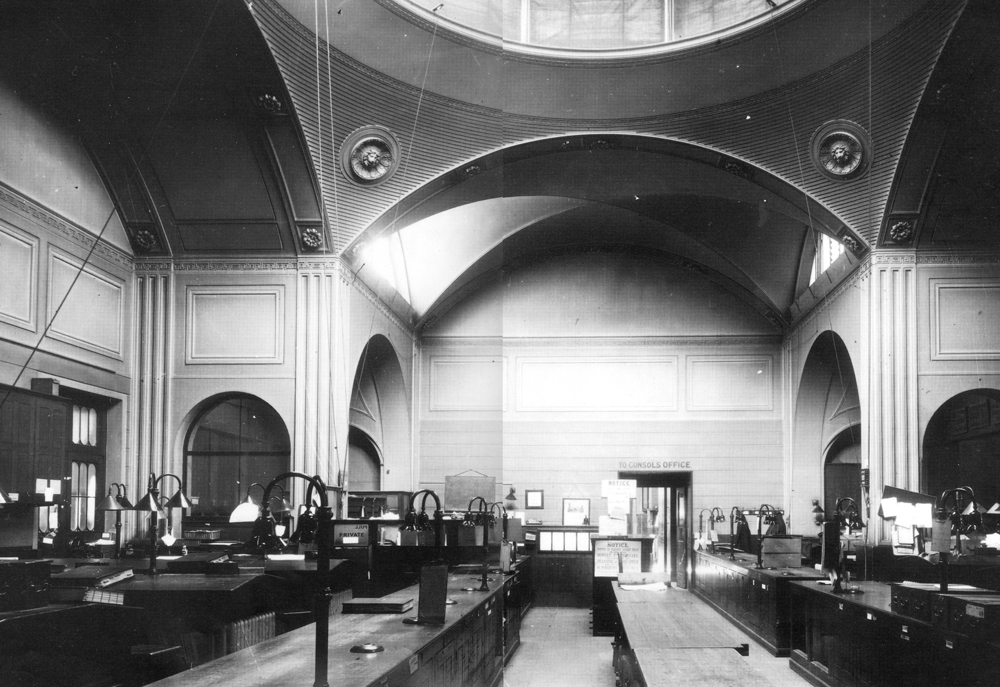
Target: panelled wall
566 372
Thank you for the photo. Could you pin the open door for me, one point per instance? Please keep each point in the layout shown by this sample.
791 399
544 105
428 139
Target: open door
669 512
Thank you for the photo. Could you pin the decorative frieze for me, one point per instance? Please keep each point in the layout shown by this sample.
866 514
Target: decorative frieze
78 235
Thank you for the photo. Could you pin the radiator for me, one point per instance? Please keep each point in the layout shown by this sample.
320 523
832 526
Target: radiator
241 634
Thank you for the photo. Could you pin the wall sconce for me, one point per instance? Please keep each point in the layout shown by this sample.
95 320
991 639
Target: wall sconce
818 513
150 503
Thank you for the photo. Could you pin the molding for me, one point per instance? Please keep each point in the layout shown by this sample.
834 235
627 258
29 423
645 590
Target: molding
32 245
862 272
594 341
938 328
68 230
276 292
78 269
958 258
879 258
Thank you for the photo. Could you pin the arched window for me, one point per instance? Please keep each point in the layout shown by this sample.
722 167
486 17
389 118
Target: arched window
234 443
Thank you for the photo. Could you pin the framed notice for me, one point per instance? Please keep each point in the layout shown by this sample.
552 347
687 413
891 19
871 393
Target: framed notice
576 512
534 499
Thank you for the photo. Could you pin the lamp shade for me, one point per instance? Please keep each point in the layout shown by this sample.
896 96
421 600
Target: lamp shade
179 500
246 511
110 503
126 504
148 504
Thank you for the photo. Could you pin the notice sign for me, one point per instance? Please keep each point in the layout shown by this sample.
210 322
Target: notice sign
613 556
618 488
351 535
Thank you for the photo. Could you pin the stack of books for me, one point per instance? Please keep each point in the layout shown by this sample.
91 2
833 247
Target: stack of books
88 583
385 604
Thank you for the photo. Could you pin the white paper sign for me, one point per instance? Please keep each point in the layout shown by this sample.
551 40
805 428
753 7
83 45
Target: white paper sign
609 527
618 507
614 556
611 488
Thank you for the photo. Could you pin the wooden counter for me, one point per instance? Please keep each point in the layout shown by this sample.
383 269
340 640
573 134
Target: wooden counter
670 637
754 599
850 640
467 651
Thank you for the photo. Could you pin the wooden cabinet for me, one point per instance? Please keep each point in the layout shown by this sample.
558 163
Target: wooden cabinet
34 433
855 640
756 600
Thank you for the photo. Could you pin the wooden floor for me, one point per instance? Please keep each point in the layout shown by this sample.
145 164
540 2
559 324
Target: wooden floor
557 650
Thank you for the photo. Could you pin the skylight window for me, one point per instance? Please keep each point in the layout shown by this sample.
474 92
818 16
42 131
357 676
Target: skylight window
827 252
594 25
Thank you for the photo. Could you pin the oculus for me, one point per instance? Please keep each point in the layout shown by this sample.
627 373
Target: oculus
841 150
370 156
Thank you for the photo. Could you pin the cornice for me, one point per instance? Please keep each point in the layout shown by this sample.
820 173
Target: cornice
347 276
599 341
894 258
860 273
31 210
241 265
952 258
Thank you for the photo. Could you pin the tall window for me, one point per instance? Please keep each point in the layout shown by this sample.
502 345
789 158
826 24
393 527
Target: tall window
86 459
238 441
827 251
83 495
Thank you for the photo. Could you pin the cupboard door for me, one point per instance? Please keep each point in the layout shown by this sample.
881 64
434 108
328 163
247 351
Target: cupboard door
15 444
50 440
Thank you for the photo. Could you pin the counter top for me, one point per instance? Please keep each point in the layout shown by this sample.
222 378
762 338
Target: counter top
289 658
875 596
745 561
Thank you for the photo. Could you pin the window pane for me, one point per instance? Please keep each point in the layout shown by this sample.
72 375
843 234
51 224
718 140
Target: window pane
91 495
76 424
92 434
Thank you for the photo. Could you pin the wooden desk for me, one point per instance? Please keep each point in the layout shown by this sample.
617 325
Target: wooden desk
670 636
466 651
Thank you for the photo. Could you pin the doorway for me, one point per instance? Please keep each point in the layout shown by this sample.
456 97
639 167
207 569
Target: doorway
664 513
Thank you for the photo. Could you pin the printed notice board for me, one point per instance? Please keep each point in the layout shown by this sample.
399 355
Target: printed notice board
608 553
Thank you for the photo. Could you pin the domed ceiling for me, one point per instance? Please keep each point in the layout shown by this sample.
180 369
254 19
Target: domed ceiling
417 149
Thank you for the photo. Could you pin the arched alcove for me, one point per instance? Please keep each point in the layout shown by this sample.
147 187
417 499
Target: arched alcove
379 435
961 446
826 446
234 441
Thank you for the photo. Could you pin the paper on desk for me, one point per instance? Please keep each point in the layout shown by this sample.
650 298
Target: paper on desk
286 557
651 587
992 540
905 514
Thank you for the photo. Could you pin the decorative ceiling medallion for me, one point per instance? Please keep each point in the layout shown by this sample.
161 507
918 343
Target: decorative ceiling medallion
144 239
841 150
270 104
311 237
369 156
901 231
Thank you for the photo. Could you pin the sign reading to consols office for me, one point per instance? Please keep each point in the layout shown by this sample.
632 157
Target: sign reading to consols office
662 465
614 556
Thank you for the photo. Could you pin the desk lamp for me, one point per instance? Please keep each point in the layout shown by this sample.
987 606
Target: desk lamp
324 515
117 503
766 514
150 504
735 515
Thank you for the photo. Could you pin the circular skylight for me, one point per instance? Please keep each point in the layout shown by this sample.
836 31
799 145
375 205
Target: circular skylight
589 28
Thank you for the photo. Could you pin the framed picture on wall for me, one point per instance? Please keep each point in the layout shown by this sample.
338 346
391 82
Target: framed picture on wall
534 499
576 512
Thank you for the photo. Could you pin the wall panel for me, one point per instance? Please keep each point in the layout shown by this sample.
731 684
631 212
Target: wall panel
233 324
89 305
18 276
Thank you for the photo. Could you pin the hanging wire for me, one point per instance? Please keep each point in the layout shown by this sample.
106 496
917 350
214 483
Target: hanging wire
97 240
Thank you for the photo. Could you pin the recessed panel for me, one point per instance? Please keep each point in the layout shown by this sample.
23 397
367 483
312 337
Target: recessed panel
18 259
729 383
466 383
236 236
965 320
89 305
230 325
597 384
